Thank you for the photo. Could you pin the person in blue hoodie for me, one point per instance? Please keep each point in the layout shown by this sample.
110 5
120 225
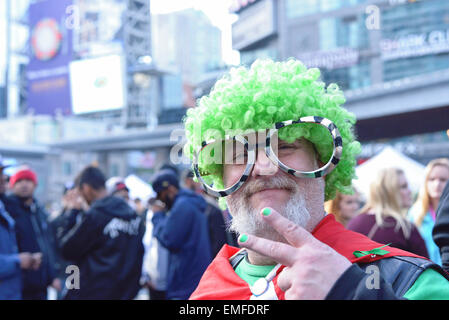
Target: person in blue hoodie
181 227
10 273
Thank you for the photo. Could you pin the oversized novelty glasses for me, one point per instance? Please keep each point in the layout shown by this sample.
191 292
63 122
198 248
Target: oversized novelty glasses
238 154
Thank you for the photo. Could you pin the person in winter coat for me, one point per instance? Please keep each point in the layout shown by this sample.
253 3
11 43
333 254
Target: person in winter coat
422 213
10 277
33 235
441 229
183 231
104 242
11 261
218 233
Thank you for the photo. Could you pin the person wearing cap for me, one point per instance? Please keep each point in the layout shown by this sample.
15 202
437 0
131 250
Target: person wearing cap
273 142
117 187
33 234
181 226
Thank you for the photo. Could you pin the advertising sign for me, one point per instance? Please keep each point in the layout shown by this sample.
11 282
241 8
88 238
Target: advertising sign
332 59
50 54
98 84
415 45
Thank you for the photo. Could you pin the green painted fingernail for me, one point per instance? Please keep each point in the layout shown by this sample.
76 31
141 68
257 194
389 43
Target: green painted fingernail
243 238
266 212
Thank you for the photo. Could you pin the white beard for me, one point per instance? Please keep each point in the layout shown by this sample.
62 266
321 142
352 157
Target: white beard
246 219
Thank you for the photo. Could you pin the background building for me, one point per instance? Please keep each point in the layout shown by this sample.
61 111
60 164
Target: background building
391 57
106 81
98 81
188 44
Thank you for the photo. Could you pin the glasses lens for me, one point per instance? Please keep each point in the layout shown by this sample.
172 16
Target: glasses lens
295 151
226 158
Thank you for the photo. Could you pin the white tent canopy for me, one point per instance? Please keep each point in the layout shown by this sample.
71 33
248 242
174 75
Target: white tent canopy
389 157
139 188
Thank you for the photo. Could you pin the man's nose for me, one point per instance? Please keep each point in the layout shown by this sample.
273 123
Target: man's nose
263 165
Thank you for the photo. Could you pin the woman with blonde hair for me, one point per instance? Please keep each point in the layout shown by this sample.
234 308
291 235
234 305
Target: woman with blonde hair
383 218
344 206
422 213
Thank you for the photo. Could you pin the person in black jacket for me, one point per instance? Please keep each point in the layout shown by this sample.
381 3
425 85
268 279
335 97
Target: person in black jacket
33 235
441 229
104 242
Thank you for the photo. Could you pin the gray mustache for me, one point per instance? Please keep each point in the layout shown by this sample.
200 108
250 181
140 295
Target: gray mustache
273 182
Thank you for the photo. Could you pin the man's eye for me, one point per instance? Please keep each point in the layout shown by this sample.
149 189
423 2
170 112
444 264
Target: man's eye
286 146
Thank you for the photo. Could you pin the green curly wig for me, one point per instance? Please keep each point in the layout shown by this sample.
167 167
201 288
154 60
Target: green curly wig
270 92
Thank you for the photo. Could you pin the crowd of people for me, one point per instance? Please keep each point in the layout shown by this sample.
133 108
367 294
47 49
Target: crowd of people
118 246
389 215
274 219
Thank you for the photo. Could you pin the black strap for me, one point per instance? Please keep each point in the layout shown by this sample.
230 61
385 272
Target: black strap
237 258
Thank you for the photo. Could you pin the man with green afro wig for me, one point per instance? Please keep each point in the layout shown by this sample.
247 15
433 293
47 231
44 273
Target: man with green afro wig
273 142
271 92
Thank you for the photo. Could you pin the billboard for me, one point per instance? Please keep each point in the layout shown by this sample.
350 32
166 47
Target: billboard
50 53
98 84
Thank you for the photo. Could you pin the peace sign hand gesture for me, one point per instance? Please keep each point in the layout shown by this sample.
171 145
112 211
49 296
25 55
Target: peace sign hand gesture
312 267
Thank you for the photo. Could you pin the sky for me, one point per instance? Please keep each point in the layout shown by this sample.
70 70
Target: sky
216 10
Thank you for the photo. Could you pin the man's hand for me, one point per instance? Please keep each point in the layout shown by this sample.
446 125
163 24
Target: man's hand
56 284
26 260
74 200
157 206
312 267
37 260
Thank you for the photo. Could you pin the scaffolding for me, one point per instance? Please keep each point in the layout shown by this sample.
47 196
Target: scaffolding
144 84
134 36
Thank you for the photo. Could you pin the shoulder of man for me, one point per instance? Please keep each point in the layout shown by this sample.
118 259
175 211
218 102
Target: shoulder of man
11 202
391 278
187 199
402 272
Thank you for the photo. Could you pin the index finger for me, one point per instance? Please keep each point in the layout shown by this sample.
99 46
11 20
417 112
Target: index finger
293 233
278 251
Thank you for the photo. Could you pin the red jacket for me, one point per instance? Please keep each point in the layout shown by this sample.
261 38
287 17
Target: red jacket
220 282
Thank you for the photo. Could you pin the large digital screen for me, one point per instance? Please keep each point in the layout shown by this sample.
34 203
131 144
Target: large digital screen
98 84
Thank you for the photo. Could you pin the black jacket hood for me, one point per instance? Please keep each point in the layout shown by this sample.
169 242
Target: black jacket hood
114 206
